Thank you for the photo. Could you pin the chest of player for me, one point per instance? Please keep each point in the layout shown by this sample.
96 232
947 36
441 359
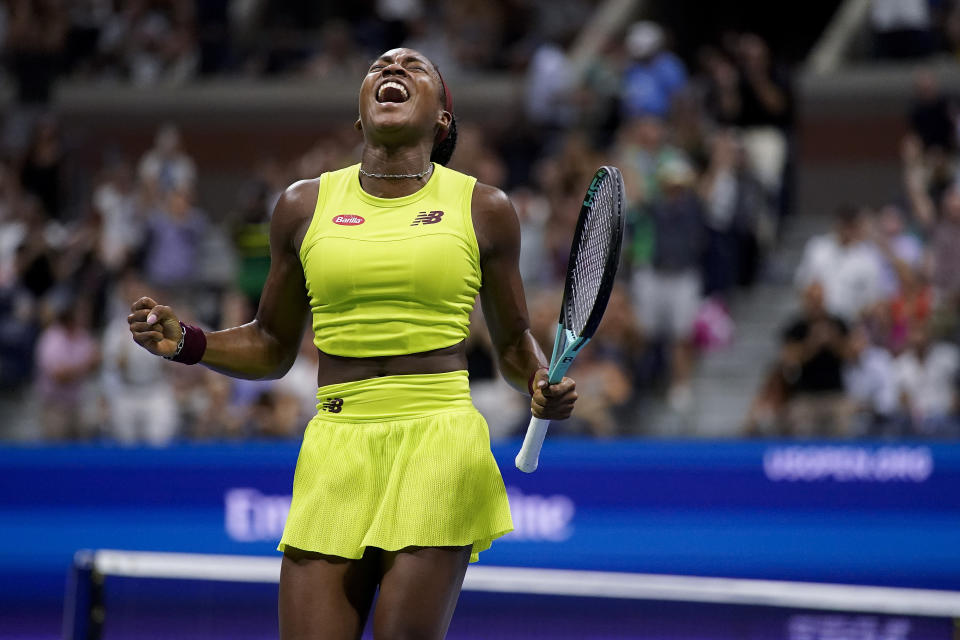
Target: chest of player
414 253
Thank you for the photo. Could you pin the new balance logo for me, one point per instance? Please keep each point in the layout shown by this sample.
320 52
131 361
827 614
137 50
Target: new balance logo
427 217
333 405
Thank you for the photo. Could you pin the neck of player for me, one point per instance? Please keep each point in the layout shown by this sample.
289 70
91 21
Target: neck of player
402 161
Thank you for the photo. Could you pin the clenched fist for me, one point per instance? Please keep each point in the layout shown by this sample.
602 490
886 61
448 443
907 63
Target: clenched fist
154 327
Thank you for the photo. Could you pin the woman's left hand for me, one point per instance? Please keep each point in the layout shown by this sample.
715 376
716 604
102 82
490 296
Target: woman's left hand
552 401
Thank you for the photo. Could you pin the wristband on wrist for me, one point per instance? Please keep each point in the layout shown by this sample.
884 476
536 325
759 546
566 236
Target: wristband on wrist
193 342
533 377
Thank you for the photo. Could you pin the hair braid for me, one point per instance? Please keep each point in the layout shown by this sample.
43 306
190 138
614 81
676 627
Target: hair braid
443 150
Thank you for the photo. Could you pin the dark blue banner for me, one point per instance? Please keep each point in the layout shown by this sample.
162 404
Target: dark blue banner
885 514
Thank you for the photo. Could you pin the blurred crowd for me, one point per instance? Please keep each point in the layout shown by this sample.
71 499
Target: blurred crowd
706 148
150 42
873 350
906 29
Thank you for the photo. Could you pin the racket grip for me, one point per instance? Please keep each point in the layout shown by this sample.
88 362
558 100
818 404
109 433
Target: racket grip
529 454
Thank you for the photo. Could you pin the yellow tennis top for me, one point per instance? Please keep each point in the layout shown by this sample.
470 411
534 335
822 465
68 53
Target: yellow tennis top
389 276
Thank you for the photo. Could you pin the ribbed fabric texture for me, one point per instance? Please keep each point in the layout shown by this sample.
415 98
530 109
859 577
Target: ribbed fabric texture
403 480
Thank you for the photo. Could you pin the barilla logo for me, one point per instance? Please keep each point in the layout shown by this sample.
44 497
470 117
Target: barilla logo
348 221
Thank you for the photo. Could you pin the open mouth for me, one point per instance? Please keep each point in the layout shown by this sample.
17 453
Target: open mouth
391 91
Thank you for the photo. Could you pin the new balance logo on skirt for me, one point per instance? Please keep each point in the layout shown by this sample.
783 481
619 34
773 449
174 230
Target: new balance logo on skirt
333 405
427 217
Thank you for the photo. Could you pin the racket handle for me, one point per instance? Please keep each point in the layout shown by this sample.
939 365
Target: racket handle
529 454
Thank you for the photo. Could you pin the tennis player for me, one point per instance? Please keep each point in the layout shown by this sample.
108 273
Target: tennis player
395 485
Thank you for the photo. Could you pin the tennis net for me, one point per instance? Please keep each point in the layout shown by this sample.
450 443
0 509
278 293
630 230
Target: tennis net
121 595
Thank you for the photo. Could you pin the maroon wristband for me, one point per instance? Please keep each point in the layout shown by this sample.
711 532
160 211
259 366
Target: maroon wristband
533 377
193 345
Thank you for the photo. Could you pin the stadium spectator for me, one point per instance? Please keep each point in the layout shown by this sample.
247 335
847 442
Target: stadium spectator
642 148
722 99
736 215
166 165
118 200
18 337
41 171
654 75
87 19
901 28
926 376
766 113
550 89
67 353
932 116
869 379
533 211
667 288
944 243
140 399
912 305
901 251
844 264
35 41
175 233
36 246
814 347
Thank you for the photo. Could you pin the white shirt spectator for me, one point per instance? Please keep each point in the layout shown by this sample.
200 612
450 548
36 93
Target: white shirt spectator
871 381
549 83
123 224
137 390
166 166
850 274
891 15
929 383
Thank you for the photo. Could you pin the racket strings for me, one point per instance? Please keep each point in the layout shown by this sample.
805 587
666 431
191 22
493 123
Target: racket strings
592 252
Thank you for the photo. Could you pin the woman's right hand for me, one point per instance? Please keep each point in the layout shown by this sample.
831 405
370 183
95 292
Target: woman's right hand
155 327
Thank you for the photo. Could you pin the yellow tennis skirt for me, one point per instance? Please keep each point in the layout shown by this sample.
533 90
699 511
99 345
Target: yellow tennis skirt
394 462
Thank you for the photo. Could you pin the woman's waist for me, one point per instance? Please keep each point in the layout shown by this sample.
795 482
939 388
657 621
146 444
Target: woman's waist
335 369
395 397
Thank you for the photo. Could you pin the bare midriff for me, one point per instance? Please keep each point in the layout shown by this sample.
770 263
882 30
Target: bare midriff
337 369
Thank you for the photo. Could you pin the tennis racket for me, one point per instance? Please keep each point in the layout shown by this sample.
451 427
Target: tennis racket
594 258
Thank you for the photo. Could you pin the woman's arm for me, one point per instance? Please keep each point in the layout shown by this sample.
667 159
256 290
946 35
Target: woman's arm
519 357
267 346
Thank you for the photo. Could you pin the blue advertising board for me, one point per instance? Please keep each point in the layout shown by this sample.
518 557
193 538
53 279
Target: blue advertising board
869 513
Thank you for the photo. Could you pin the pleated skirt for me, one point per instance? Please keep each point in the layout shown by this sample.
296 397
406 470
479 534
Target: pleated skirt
394 462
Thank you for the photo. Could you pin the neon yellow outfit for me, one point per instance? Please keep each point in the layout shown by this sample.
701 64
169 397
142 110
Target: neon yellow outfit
404 460
388 276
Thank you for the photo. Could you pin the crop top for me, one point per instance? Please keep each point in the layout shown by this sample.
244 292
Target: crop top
391 276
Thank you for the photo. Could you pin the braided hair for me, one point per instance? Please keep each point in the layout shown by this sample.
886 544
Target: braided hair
446 141
443 150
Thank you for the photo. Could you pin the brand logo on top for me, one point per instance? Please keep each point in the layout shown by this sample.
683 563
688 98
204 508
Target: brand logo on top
348 220
427 217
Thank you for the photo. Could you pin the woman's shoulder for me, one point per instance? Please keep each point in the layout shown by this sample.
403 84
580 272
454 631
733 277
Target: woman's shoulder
495 220
294 210
492 200
299 198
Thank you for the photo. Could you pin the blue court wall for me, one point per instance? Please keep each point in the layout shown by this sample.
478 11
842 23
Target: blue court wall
869 513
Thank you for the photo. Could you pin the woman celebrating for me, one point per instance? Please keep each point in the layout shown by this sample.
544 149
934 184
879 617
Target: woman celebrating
395 484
